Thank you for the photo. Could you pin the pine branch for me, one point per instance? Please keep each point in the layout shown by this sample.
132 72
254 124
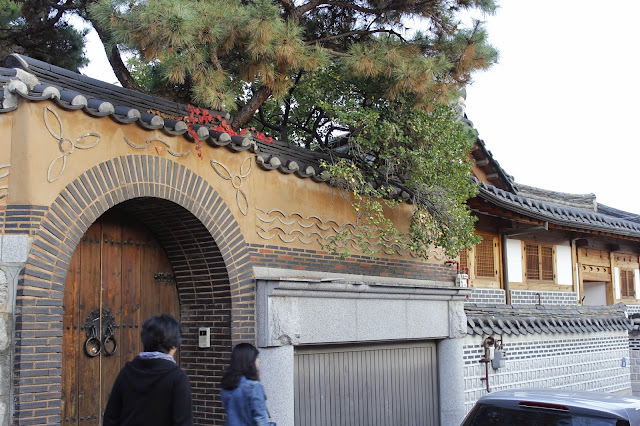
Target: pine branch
355 32
301 10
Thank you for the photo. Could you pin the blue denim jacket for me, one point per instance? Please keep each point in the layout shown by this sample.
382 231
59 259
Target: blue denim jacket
246 404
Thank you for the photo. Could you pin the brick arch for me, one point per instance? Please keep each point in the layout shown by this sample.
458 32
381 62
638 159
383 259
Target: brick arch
204 244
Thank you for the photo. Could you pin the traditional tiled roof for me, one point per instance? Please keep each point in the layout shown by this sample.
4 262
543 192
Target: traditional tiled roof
540 319
579 201
635 324
34 80
558 214
485 161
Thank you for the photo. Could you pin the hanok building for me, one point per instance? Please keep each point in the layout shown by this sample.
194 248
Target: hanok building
552 279
108 216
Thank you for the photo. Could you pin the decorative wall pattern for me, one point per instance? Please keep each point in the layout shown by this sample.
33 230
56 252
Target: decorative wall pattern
148 142
236 181
598 269
276 224
65 145
4 289
4 173
527 297
596 362
487 295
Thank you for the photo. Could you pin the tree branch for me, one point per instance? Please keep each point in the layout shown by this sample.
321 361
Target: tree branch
301 10
265 123
113 55
249 109
354 32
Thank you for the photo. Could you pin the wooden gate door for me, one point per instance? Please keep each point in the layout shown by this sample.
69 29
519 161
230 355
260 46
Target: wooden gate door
118 277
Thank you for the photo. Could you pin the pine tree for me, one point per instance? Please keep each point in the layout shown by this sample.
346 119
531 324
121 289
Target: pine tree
236 55
345 77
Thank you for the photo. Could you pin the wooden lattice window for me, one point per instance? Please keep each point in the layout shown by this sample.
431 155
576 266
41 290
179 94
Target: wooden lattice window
539 262
546 263
485 258
626 283
464 260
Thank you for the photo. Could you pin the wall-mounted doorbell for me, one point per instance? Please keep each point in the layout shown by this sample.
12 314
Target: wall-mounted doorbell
204 337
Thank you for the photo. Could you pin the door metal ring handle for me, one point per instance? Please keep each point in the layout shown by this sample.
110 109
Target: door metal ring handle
105 342
92 346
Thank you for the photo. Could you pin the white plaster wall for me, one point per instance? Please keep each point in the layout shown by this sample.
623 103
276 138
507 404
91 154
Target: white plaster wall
514 260
585 361
563 264
595 293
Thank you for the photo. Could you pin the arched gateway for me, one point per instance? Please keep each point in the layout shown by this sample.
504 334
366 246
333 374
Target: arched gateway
119 224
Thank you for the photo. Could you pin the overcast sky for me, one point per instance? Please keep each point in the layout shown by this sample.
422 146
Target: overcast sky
559 110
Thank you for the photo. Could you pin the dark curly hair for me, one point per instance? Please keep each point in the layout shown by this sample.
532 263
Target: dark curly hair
160 334
243 363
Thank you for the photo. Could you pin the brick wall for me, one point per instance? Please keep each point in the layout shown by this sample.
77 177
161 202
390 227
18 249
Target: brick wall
318 260
524 297
633 309
585 361
22 219
487 296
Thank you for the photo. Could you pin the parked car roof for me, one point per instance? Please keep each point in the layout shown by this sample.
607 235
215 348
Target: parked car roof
617 406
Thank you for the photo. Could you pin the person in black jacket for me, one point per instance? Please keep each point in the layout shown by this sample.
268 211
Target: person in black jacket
152 389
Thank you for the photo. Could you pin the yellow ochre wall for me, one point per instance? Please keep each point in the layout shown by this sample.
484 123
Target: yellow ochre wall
41 166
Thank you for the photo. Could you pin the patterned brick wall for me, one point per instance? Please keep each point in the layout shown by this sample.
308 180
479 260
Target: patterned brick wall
316 260
585 361
22 219
633 309
487 296
524 297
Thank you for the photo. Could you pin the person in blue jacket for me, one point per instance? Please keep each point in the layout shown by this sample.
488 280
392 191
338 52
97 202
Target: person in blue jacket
242 393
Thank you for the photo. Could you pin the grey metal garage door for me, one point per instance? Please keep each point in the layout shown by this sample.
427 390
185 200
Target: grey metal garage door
367 385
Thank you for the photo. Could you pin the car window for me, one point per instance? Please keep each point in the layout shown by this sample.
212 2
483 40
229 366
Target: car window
487 415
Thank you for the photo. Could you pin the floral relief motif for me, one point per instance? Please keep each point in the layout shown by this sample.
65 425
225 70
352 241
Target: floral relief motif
4 189
65 145
158 149
236 181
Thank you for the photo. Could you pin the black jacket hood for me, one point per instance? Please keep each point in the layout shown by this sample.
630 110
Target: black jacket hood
145 374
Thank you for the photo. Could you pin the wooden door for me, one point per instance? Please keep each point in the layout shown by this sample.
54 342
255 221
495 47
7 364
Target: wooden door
118 273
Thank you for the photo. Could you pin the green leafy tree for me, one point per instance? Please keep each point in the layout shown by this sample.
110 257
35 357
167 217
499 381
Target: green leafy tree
351 78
